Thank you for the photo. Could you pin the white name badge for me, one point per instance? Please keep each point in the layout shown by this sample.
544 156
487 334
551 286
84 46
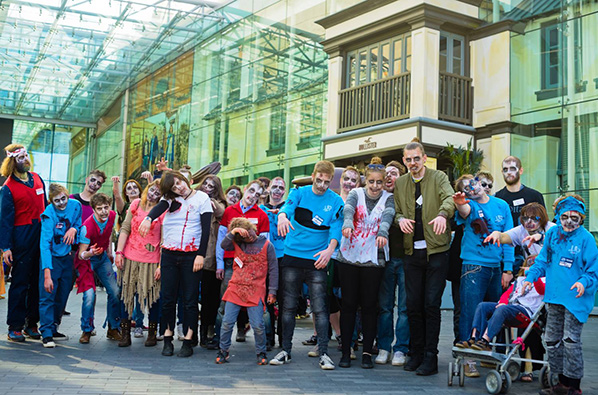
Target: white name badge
239 262
39 191
420 200
253 220
518 202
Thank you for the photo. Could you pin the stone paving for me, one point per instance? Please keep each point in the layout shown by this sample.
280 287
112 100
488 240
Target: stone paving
102 367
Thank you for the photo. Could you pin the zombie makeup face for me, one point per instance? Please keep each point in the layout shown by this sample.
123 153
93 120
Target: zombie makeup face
180 187
531 224
22 162
321 183
349 181
511 172
94 183
374 184
132 191
153 194
252 194
415 160
102 212
60 201
392 173
570 221
473 189
487 185
233 196
277 189
208 187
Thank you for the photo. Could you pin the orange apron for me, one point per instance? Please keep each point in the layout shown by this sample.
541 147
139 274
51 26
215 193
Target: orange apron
247 287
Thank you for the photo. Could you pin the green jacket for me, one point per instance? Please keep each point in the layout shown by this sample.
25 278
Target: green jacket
437 194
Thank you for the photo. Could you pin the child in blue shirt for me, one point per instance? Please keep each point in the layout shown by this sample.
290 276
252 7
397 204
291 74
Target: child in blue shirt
61 222
481 276
569 260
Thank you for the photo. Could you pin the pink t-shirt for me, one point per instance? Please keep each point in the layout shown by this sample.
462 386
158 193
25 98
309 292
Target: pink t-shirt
143 249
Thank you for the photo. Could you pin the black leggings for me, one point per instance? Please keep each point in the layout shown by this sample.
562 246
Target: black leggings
359 287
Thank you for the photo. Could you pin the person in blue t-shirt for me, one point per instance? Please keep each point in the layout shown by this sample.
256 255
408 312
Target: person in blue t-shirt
569 260
311 219
481 277
61 222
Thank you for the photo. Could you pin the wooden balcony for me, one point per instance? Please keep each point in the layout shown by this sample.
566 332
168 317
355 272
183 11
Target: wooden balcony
455 98
374 103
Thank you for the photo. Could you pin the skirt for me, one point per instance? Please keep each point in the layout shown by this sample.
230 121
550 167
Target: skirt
138 278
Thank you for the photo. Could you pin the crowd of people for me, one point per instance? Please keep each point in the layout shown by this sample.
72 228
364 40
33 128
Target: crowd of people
390 238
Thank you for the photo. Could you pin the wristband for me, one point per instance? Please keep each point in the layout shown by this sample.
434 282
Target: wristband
119 253
148 218
81 256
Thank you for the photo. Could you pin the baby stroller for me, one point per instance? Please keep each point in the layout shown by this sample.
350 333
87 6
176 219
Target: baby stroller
507 364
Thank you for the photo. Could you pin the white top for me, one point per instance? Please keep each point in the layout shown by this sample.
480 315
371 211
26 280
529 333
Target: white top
181 230
529 300
518 233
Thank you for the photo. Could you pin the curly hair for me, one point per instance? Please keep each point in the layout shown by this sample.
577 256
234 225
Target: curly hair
8 165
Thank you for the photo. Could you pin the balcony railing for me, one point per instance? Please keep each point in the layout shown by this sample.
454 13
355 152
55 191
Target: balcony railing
374 103
456 98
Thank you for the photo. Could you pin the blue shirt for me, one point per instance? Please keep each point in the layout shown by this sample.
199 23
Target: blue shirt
484 219
317 219
567 258
55 224
276 240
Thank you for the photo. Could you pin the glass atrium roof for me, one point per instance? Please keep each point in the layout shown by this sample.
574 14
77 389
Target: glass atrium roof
69 59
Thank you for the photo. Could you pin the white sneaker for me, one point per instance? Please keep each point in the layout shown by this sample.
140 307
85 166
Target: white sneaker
138 332
48 342
159 337
314 352
179 332
353 356
281 358
383 357
398 359
326 363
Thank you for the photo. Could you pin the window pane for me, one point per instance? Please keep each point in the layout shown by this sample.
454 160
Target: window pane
397 53
385 61
443 53
362 67
373 64
351 73
457 66
457 48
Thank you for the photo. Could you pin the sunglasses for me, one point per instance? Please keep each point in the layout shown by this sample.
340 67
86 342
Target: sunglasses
484 185
376 167
526 218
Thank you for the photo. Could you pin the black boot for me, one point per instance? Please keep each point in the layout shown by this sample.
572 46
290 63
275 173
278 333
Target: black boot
168 349
152 331
429 366
186 350
414 362
125 333
203 335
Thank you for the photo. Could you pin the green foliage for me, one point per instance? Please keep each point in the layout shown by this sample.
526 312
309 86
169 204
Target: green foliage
463 160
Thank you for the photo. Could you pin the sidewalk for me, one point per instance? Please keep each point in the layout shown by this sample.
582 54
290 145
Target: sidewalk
102 367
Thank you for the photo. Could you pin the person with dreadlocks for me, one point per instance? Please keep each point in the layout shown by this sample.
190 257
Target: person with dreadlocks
23 200
569 260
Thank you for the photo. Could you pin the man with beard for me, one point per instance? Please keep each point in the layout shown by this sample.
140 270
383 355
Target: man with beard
247 208
393 284
311 219
23 200
516 195
423 204
481 277
276 191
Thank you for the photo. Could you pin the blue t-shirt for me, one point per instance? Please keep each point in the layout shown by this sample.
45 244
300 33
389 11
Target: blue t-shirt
567 258
317 219
55 224
484 219
276 240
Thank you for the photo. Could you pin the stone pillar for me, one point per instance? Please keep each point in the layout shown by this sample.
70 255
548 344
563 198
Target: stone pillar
425 68
335 76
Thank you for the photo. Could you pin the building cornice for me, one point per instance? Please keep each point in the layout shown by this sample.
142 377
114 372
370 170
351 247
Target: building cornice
508 25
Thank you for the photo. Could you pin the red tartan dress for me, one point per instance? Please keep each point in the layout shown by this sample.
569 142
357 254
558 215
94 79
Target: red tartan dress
247 287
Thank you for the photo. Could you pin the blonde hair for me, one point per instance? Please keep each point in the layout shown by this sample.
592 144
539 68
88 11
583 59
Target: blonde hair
324 167
155 183
459 182
8 165
55 190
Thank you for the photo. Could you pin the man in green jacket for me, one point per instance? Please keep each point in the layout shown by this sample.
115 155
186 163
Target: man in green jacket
423 203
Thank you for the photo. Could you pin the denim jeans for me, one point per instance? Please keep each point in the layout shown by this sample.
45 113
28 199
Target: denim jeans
478 284
154 312
256 320
137 314
487 315
228 274
177 273
51 304
87 310
425 279
563 341
102 266
293 279
393 288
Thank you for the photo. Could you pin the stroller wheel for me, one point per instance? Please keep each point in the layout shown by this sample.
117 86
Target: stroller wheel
462 374
450 374
547 379
513 369
493 382
506 384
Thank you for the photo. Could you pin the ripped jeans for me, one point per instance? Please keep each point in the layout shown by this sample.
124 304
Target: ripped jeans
478 284
563 340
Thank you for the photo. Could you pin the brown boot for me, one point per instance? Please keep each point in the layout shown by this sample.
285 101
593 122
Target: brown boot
113 333
84 339
151 340
125 333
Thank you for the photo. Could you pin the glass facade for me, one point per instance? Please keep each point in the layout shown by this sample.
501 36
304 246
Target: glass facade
554 100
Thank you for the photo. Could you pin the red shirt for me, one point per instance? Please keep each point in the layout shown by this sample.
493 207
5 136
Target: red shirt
254 214
29 202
